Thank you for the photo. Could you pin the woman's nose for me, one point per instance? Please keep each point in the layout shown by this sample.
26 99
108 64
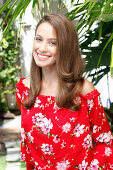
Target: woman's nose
43 47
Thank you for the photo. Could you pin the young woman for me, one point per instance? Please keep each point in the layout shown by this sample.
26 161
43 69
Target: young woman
64 126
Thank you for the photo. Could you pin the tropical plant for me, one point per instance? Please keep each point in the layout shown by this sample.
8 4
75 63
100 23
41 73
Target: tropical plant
99 12
9 63
92 48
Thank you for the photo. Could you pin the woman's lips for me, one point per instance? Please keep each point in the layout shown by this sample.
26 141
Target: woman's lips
42 57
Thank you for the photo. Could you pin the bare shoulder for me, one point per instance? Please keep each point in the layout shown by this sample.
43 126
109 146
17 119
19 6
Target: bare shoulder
26 82
87 87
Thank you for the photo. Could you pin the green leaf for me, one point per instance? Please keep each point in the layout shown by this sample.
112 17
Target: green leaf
107 17
79 9
24 8
52 154
72 1
106 7
11 8
91 5
109 40
4 43
100 31
35 2
59 3
41 132
48 3
49 134
22 4
111 62
5 5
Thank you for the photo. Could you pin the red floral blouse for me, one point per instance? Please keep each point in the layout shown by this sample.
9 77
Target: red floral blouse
59 139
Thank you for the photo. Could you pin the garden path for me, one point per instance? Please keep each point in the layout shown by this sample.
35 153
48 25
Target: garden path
10 135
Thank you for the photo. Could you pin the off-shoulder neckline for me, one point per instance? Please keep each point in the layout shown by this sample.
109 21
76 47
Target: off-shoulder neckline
88 95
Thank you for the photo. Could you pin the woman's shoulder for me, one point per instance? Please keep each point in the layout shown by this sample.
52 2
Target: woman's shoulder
23 83
26 82
88 90
22 88
87 87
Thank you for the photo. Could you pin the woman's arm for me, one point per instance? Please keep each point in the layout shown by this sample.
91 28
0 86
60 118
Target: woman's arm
100 130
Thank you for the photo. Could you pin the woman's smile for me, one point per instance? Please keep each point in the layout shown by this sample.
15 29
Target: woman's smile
42 57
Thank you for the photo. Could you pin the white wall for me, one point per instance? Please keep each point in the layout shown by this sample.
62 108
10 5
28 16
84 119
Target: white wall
102 87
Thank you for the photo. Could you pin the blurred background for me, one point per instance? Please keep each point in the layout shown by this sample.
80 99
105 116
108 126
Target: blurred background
93 21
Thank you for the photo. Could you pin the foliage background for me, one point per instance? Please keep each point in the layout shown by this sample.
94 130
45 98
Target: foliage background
9 62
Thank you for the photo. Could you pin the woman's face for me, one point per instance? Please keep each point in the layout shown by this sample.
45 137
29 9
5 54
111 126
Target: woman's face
45 45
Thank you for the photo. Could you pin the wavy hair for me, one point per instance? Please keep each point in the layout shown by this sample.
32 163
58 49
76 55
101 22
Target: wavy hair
69 63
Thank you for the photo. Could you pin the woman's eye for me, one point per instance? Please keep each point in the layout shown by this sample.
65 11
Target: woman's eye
53 43
37 38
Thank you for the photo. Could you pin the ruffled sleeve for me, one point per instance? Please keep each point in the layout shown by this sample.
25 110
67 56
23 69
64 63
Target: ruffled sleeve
101 133
21 93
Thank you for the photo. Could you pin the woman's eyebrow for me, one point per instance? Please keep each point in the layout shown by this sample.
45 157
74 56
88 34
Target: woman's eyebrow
55 39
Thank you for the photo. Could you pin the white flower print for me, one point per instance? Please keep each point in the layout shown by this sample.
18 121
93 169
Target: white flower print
96 128
108 151
49 99
63 165
37 102
55 108
46 125
22 157
78 130
56 139
41 107
47 149
47 105
90 104
31 139
83 166
37 119
105 137
111 166
39 168
72 146
99 101
36 163
42 122
56 118
66 128
28 111
49 162
94 165
72 119
87 142
63 144
18 94
23 135
25 94
28 150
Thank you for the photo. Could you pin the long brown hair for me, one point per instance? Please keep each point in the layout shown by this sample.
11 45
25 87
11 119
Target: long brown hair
69 63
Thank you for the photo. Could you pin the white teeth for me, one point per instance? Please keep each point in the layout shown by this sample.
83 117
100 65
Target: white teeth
42 56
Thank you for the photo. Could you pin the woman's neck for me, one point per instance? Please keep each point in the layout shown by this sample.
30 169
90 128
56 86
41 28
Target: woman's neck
49 75
49 81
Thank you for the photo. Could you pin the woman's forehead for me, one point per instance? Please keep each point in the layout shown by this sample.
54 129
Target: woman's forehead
47 29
